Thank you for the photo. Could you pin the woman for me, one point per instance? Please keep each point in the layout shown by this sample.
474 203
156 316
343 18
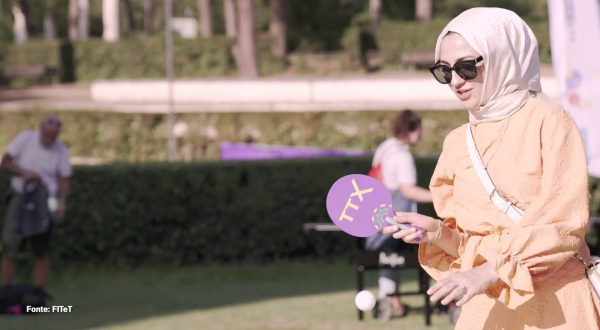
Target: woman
395 166
504 273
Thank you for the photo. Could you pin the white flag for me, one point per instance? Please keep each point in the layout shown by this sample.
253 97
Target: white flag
575 35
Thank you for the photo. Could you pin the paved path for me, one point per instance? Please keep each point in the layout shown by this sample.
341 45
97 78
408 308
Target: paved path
416 90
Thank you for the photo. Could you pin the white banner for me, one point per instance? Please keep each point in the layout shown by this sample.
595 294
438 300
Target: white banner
575 35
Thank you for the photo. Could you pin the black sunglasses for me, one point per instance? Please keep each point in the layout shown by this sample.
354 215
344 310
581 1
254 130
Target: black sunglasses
466 69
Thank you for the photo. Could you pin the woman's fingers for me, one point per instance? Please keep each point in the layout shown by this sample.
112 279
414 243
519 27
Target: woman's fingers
407 235
458 293
465 298
414 237
442 292
390 229
405 217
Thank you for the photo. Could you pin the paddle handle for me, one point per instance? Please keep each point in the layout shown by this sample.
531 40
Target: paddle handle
421 231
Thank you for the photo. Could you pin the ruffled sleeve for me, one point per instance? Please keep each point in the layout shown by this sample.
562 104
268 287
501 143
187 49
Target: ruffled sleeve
433 259
554 224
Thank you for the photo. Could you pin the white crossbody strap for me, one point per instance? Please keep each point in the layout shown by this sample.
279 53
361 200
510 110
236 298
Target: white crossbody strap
500 201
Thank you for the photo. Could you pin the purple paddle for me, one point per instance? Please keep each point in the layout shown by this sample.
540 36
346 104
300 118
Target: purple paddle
361 206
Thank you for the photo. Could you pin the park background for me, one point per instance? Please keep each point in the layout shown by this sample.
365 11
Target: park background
187 240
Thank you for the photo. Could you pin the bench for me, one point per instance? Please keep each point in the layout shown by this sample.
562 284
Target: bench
31 72
417 59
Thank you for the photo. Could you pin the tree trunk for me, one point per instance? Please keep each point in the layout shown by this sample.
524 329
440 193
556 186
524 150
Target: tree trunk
49 26
73 20
231 24
149 10
375 13
26 9
424 10
130 15
248 62
20 24
83 24
230 13
110 20
278 29
205 7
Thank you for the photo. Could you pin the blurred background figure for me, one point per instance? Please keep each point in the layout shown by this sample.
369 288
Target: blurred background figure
394 165
34 156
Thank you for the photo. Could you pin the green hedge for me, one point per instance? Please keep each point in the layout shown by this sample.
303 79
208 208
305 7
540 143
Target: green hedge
174 214
139 56
135 57
139 137
144 57
396 37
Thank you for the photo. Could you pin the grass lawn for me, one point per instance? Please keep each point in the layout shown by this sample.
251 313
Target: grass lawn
286 295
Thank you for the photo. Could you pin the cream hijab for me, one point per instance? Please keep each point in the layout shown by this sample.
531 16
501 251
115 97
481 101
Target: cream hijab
510 55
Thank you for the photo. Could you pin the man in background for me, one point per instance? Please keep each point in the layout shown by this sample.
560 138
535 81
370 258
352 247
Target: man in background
34 155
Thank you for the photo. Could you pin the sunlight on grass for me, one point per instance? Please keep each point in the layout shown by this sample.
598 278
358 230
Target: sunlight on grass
287 295
319 311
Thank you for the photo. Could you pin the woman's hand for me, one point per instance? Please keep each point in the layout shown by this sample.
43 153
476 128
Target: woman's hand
431 225
464 285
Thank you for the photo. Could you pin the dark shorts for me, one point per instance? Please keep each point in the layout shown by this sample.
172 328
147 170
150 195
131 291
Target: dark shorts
12 242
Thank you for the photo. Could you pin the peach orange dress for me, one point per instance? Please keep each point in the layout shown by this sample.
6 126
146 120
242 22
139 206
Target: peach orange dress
536 159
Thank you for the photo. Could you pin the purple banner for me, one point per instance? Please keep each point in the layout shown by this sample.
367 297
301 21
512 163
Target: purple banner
251 151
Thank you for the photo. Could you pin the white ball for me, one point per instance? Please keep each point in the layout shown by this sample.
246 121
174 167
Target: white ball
364 300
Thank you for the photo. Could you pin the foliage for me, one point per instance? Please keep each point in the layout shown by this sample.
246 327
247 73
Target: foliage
137 57
318 25
531 10
313 26
144 57
395 37
32 52
142 137
174 214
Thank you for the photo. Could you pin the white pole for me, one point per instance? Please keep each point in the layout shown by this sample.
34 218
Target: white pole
170 72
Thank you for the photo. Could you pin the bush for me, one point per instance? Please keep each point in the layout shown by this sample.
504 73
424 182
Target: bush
138 57
33 52
139 137
144 57
177 214
532 9
396 37
174 214
318 25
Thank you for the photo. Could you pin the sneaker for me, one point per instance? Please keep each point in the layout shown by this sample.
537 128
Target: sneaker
384 309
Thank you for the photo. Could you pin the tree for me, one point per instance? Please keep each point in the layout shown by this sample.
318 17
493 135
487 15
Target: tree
21 28
130 15
49 26
246 39
278 29
230 13
375 13
110 20
149 10
231 26
83 23
205 7
424 10
73 20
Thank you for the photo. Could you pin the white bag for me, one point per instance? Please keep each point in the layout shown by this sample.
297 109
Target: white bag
592 266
